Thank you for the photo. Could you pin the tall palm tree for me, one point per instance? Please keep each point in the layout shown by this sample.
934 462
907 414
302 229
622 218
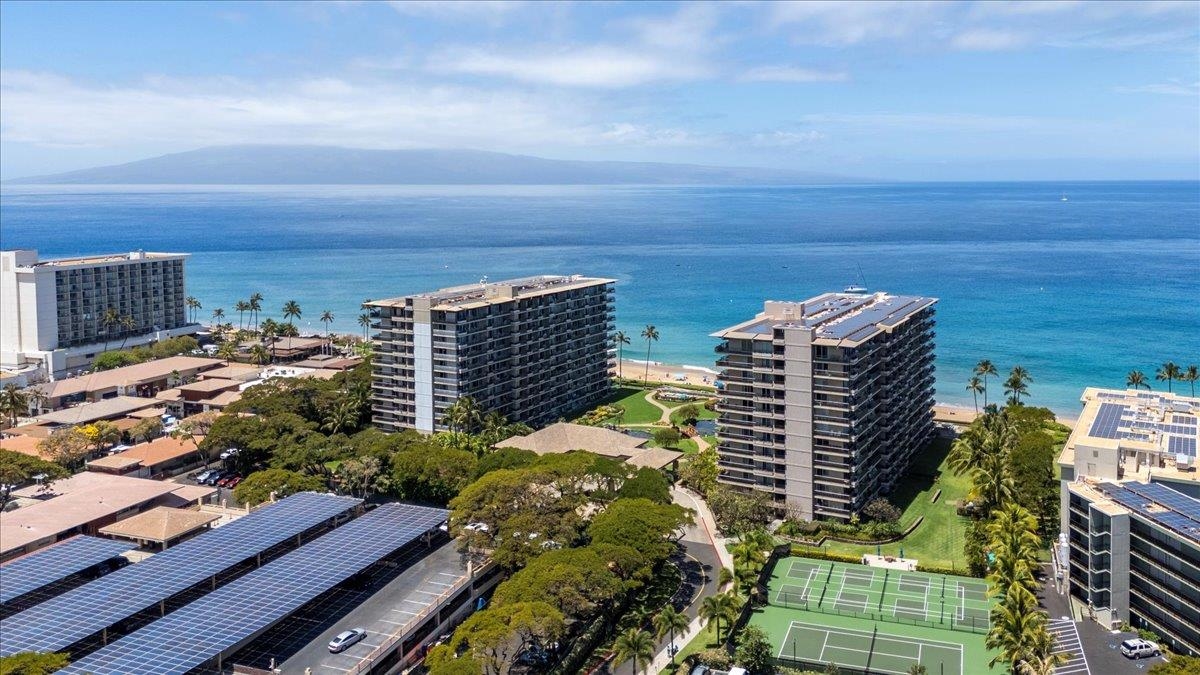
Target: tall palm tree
111 317
241 307
975 386
127 326
1016 626
668 622
620 339
1168 371
712 610
270 330
291 310
985 369
1190 375
254 304
463 416
192 304
1136 379
364 320
218 314
634 645
327 318
1017 384
651 335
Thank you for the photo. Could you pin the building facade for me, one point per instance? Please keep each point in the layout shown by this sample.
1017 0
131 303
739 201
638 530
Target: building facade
1135 557
533 349
58 314
824 402
1130 512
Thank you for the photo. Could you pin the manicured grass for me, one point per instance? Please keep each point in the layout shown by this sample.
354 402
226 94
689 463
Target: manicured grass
705 414
685 445
940 537
638 410
705 639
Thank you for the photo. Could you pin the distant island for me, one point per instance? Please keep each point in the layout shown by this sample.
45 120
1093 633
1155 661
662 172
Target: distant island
328 165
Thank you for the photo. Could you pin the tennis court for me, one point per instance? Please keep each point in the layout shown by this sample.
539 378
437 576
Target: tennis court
916 598
872 651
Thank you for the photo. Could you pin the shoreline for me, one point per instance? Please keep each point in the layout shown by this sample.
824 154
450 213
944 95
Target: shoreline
670 373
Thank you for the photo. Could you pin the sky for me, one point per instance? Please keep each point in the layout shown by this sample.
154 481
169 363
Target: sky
903 91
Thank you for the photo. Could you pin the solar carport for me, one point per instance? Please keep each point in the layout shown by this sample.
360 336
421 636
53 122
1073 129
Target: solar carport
226 619
62 622
52 564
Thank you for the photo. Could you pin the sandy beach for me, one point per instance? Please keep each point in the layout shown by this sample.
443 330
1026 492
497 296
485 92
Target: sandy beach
668 373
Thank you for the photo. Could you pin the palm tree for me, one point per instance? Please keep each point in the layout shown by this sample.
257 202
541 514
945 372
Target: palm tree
192 304
651 335
620 339
110 318
218 314
1017 384
260 355
463 416
668 622
1190 376
1136 379
254 304
364 320
227 351
975 386
712 610
291 310
634 645
985 369
269 331
241 307
1168 371
14 403
127 326
1012 534
1016 625
327 318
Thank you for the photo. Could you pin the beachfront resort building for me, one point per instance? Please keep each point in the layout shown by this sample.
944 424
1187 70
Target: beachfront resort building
822 403
533 349
1130 513
56 315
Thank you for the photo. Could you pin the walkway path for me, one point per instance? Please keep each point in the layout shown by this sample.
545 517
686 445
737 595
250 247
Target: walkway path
665 418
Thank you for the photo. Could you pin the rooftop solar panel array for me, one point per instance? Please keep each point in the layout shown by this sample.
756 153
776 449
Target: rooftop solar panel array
55 563
1180 510
1181 445
240 610
60 622
1107 419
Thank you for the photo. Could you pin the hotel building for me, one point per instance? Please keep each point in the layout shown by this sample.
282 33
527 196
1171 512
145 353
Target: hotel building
533 349
52 312
823 402
1131 513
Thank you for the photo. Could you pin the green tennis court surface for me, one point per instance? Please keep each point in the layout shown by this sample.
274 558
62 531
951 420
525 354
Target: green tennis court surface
916 598
874 651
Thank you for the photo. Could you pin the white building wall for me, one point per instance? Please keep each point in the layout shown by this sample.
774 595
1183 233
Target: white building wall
423 374
798 427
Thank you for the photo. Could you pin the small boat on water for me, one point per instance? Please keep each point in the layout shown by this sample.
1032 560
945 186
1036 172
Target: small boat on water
860 286
1064 197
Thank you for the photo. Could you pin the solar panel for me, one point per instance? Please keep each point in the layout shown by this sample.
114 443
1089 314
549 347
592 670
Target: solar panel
55 563
236 612
1162 495
1184 419
1178 518
1181 445
1107 420
60 622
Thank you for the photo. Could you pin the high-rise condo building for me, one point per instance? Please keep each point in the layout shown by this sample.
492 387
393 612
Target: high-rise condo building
533 349
1130 513
56 315
823 402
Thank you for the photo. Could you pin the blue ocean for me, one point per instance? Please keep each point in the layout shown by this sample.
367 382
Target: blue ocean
1078 290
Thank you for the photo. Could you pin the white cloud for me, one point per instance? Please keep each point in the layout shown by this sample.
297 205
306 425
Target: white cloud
587 66
850 23
690 29
983 39
792 74
778 139
457 9
1172 88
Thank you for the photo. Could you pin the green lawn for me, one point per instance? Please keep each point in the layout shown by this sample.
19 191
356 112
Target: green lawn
705 413
638 410
940 537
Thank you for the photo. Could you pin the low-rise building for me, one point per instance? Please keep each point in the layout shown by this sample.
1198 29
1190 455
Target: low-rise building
161 527
82 504
141 379
161 457
565 437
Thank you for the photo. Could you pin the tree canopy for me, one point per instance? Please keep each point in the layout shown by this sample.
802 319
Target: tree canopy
258 486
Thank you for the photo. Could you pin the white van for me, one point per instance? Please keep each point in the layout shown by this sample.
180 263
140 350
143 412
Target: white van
1136 648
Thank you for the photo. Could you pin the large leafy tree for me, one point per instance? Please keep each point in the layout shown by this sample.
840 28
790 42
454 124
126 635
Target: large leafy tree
33 663
575 581
68 447
647 526
754 651
431 473
17 469
258 486
495 637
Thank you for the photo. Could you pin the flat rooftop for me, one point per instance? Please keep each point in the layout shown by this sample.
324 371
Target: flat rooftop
1156 502
493 292
107 259
1139 425
834 318
140 373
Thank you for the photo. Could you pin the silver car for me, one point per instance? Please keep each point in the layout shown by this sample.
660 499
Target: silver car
346 639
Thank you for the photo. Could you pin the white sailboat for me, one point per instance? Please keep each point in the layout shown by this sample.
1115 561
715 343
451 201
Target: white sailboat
857 287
